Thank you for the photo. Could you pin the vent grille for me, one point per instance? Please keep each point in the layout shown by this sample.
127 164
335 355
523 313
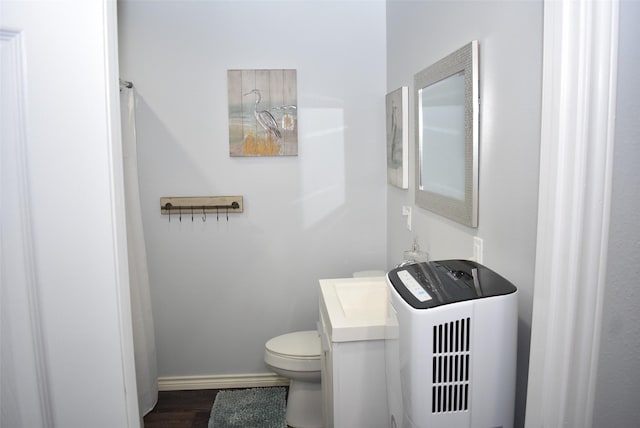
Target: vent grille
451 354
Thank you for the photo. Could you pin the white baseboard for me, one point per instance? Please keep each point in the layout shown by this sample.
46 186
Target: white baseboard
181 383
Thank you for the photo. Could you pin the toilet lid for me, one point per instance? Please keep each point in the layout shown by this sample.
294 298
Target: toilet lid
298 344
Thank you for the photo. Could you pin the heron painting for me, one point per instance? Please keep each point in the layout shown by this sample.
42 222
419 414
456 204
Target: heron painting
397 138
263 118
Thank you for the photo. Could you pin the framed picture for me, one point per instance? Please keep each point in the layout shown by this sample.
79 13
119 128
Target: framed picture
263 112
397 138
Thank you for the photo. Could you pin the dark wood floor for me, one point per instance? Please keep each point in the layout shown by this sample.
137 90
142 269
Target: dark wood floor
181 409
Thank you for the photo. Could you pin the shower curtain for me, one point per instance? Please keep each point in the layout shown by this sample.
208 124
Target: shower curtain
143 332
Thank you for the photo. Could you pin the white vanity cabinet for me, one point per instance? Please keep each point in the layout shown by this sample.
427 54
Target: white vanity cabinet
352 327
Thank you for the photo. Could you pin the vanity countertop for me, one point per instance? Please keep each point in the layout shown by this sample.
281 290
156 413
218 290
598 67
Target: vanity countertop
354 308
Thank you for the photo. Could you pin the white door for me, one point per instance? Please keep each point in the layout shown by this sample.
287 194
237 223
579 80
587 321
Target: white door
65 335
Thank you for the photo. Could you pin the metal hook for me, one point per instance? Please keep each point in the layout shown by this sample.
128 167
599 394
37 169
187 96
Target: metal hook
168 208
227 213
191 213
180 213
217 214
204 215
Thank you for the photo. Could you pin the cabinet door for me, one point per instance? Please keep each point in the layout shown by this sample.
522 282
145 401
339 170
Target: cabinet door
359 384
326 361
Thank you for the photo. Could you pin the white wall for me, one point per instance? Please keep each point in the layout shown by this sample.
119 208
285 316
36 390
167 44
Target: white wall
221 289
618 385
510 41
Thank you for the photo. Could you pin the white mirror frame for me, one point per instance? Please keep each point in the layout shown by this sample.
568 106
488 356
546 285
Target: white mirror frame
458 203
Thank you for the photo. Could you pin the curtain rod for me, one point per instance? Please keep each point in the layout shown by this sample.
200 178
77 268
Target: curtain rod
126 83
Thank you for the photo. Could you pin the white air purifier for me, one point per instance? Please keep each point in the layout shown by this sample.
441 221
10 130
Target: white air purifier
450 346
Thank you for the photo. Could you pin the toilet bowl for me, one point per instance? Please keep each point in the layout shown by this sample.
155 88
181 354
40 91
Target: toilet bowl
297 356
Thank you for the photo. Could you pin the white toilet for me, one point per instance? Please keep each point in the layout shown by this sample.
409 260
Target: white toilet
297 356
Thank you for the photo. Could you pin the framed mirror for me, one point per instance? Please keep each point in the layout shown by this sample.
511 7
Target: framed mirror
447 115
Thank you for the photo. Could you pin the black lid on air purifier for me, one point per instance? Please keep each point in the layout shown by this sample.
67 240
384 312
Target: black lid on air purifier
431 284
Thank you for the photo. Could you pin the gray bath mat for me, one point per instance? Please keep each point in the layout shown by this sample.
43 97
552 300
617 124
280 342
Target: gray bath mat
249 408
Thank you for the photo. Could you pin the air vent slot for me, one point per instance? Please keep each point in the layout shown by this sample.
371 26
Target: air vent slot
451 363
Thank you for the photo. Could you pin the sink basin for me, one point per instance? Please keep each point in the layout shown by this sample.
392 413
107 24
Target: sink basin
354 308
362 299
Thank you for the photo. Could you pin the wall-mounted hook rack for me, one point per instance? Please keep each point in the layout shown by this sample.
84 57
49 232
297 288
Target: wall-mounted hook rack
201 204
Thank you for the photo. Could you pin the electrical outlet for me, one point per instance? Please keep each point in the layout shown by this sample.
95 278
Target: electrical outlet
406 211
477 249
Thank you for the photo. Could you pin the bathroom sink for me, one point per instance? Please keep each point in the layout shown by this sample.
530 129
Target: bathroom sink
354 308
362 299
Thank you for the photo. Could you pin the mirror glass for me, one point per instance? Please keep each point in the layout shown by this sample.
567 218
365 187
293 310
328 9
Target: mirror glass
447 136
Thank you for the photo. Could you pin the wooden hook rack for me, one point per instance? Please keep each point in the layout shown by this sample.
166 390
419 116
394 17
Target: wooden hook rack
206 204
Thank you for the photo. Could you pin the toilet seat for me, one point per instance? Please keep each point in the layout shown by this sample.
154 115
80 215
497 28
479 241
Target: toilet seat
298 351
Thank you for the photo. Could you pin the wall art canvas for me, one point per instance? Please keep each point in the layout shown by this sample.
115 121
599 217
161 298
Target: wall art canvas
263 112
398 138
